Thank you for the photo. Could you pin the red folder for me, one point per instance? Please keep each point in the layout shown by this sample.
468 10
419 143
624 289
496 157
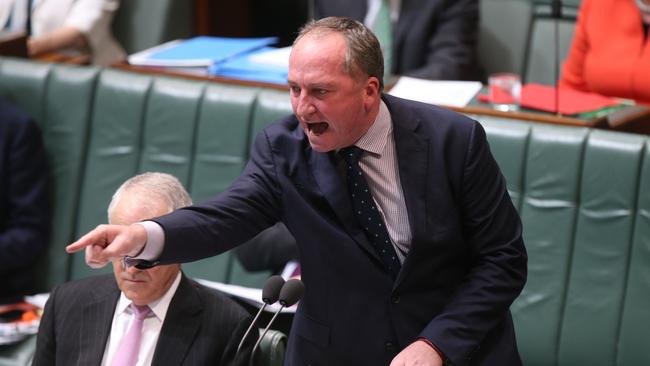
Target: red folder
542 97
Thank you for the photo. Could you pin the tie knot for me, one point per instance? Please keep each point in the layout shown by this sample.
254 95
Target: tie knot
351 154
140 311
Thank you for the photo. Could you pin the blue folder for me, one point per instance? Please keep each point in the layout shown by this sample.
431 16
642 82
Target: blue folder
203 50
243 67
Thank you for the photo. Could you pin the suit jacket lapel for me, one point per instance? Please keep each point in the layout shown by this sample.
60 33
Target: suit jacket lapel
180 327
412 160
331 184
96 321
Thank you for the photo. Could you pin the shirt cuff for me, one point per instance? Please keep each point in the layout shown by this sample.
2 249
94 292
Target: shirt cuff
155 243
440 354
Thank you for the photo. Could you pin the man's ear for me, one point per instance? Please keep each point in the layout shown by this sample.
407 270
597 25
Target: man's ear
371 91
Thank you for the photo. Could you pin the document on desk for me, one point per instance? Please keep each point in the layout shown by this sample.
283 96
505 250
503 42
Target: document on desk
200 51
440 92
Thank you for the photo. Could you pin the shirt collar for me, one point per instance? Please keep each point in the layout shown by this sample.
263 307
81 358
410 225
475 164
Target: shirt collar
375 139
158 307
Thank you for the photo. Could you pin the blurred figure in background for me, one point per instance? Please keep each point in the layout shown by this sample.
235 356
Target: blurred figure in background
68 26
610 53
429 39
274 249
24 206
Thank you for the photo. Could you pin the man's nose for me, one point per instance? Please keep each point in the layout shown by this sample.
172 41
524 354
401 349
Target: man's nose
305 106
133 270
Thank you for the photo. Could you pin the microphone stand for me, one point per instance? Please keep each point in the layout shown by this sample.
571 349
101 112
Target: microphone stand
556 14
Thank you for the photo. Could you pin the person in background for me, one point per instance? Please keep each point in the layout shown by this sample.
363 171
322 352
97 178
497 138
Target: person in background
431 39
610 52
410 247
24 202
274 249
65 26
90 321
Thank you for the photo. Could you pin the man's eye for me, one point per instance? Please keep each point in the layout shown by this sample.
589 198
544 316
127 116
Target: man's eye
320 92
294 90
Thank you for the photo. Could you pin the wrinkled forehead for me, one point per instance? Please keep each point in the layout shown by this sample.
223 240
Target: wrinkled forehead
320 50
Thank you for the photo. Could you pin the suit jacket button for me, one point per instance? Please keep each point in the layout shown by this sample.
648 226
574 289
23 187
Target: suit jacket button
395 299
390 347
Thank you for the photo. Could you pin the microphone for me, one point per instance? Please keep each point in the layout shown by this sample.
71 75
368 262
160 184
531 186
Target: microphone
290 293
270 293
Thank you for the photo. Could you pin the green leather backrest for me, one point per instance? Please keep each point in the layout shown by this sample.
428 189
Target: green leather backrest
271 349
113 150
634 330
67 113
509 145
220 154
548 211
603 235
169 127
270 105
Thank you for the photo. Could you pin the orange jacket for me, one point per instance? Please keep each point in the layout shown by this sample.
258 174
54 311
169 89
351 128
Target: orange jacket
609 54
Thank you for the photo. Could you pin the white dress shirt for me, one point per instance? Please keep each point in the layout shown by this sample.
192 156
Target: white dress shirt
379 164
150 330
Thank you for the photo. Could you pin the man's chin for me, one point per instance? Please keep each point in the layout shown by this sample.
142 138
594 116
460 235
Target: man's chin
319 147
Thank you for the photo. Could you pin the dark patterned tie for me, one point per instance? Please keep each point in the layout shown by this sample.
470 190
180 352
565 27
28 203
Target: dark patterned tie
366 212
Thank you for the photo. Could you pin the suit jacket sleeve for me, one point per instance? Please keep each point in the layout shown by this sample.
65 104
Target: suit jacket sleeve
46 340
497 257
451 47
24 212
249 206
230 355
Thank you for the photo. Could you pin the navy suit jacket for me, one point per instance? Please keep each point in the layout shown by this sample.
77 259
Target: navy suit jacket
466 265
202 326
432 39
24 206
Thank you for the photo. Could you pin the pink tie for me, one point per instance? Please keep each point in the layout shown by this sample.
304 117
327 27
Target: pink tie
127 353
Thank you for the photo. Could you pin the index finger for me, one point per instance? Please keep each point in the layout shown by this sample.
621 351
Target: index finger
95 237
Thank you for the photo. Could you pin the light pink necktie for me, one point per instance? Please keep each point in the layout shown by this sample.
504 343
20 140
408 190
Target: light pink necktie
127 353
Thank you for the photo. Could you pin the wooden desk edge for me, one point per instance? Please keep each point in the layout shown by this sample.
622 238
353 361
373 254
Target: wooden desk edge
524 116
180 74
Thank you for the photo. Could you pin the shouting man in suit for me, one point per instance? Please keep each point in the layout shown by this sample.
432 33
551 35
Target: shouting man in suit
93 321
410 247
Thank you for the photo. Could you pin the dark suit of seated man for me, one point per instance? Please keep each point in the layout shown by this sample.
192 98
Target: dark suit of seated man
24 207
85 321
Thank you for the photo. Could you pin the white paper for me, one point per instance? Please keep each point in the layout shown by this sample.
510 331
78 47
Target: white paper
251 295
278 57
439 92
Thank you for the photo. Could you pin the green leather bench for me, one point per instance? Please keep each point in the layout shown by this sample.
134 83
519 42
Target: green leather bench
582 194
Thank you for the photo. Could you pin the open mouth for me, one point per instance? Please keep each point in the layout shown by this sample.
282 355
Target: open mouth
317 128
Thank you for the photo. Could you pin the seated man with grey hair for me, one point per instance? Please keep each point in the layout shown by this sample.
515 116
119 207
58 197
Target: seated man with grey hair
142 317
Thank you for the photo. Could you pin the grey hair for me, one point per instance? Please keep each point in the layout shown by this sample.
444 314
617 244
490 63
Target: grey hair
363 52
155 186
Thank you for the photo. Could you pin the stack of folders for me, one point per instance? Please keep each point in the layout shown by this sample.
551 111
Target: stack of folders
238 58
